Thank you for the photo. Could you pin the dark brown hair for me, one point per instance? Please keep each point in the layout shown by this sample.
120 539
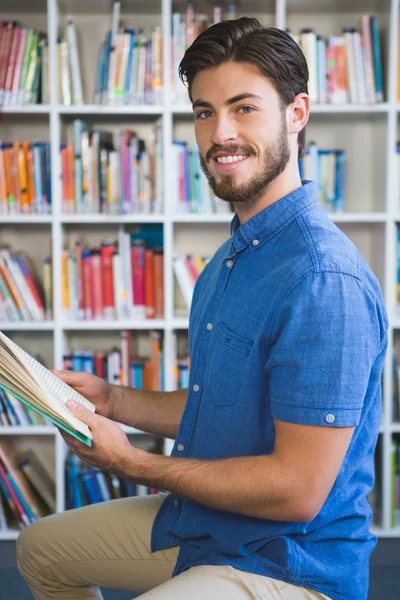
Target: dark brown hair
272 50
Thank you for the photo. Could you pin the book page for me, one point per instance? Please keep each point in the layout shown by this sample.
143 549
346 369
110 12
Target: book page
55 391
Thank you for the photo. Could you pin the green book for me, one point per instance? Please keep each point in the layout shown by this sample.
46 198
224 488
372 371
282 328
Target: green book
39 389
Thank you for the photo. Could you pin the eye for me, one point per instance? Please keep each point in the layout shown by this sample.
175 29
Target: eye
248 109
200 117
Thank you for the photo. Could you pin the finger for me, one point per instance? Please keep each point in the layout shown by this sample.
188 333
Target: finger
82 413
72 378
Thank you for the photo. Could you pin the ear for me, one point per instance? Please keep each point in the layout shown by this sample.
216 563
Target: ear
298 113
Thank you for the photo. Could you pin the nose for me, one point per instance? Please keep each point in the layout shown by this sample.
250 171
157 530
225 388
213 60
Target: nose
223 131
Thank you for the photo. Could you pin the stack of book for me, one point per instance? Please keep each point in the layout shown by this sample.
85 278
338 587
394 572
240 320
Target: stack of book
22 297
121 280
27 491
187 268
111 173
121 366
23 65
345 68
89 485
129 68
327 169
185 29
25 179
190 189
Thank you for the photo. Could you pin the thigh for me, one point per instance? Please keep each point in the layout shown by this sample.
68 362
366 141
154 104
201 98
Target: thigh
105 544
223 581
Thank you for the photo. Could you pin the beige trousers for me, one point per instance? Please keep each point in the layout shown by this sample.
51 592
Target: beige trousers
68 555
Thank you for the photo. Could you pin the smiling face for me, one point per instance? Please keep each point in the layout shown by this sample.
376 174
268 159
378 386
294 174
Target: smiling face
241 130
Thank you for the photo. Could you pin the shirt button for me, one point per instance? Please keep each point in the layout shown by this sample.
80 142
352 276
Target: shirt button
256 242
329 418
209 326
196 387
176 502
180 447
229 263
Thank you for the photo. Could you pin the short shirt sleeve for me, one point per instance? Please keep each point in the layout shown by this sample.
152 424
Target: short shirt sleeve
326 338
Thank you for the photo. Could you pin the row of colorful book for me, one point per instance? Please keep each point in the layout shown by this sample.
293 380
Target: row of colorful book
328 169
14 414
27 491
25 178
121 280
23 65
22 297
90 485
130 65
187 269
345 68
111 172
126 365
191 192
185 29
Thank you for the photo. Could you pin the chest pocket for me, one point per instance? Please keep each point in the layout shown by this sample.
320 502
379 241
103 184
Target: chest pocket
228 361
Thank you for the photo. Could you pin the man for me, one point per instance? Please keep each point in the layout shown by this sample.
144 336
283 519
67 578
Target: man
266 486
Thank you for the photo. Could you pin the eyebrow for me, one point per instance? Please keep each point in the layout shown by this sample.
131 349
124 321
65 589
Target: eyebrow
227 102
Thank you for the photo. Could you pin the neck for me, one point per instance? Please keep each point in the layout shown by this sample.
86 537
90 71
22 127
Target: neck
288 181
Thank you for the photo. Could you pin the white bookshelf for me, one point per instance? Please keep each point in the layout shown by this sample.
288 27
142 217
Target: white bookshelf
368 133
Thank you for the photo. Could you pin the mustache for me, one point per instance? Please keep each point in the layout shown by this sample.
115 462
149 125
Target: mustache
230 149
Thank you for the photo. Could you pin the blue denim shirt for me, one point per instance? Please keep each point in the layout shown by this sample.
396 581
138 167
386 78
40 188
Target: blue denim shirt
288 323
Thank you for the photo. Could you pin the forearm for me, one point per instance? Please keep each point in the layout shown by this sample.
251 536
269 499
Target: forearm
159 413
258 486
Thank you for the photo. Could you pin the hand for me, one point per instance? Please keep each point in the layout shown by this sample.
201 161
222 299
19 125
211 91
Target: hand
93 388
110 449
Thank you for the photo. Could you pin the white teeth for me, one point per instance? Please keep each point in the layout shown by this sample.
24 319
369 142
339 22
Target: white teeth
230 159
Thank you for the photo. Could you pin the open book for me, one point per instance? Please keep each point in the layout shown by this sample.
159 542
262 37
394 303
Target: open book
37 387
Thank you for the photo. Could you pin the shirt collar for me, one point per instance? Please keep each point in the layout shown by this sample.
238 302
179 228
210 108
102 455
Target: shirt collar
265 224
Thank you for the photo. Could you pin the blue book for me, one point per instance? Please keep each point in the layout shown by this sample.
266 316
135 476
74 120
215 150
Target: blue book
129 488
21 498
376 52
107 52
129 68
340 180
76 361
88 362
47 170
89 486
100 74
74 485
37 177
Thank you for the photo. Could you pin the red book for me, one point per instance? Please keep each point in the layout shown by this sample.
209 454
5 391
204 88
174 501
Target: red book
12 59
149 283
5 48
107 278
97 286
99 365
87 285
192 268
137 262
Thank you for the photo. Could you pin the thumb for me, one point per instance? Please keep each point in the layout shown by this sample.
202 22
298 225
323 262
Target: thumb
81 412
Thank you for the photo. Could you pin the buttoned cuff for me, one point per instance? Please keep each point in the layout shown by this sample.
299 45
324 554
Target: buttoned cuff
328 417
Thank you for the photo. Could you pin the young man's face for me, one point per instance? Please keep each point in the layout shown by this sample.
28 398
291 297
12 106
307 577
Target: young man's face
252 131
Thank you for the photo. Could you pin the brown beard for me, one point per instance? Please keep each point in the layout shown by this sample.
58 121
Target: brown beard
276 158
